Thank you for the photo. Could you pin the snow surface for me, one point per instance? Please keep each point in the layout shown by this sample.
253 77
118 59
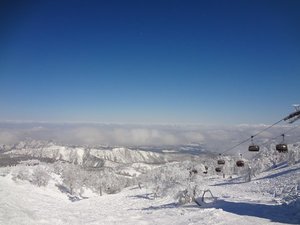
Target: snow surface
238 202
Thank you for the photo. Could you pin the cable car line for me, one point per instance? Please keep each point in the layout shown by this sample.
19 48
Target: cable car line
267 128
248 139
282 147
274 138
293 116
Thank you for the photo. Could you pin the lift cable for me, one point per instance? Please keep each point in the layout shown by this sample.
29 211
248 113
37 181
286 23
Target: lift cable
292 117
248 139
274 138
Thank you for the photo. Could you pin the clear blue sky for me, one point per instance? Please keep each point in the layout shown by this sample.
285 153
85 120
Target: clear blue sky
205 62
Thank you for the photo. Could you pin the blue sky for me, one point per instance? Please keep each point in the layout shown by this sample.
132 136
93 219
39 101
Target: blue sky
204 62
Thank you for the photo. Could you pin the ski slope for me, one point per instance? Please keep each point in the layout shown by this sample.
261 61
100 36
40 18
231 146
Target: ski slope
261 201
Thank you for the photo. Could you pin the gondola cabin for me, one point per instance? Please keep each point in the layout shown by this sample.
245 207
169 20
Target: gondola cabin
282 148
221 162
240 163
218 169
253 148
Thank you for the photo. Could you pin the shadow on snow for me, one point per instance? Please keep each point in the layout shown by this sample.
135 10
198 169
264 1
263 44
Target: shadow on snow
275 213
239 180
148 196
164 206
279 174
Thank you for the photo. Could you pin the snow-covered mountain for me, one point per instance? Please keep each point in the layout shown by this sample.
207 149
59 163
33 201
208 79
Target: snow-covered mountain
111 156
86 156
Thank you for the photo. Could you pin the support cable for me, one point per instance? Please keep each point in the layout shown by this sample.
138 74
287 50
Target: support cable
274 138
248 139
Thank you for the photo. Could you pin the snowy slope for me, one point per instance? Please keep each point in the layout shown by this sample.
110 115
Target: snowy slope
271 197
238 202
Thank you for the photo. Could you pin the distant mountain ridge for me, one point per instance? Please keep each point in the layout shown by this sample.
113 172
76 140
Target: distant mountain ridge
86 156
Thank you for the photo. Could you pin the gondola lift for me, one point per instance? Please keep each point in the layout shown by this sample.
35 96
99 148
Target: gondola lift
240 162
293 116
253 147
282 147
218 169
206 170
221 161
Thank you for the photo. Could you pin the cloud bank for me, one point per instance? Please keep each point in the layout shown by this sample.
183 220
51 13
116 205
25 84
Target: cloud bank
213 138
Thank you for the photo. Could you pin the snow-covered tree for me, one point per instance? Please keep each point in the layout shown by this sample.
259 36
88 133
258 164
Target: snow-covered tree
97 181
21 173
170 179
40 176
71 177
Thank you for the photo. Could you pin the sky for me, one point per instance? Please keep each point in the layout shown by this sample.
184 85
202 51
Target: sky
149 62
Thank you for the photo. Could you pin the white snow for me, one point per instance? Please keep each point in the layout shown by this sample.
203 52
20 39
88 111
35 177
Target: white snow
271 197
255 202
